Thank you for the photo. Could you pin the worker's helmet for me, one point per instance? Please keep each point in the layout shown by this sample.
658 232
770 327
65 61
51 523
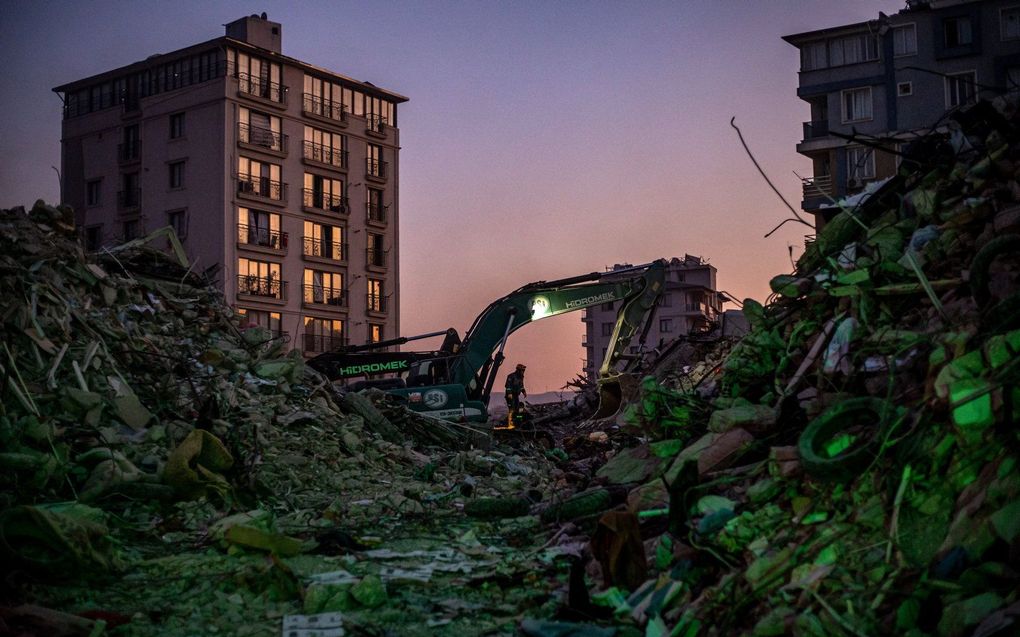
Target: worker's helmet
521 367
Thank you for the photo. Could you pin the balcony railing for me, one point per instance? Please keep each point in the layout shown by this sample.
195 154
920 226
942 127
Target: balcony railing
325 248
130 198
375 168
818 186
258 286
253 235
258 136
376 212
319 343
375 257
325 154
376 124
375 302
325 201
261 187
816 128
260 87
325 295
315 105
129 151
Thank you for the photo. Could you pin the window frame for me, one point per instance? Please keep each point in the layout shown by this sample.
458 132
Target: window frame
958 19
851 174
909 86
949 78
843 105
91 202
182 233
913 27
1002 23
177 125
173 172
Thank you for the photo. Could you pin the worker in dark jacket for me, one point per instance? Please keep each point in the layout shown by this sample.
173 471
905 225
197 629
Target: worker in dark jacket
514 391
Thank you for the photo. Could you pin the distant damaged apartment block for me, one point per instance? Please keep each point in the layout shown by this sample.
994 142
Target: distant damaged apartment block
876 86
282 173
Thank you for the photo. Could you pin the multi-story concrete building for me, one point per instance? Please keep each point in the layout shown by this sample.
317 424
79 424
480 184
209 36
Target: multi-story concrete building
689 303
887 81
281 172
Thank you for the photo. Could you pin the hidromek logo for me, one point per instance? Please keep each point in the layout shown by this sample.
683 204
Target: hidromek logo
373 368
591 300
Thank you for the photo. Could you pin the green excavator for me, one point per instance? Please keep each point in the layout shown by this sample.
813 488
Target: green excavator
455 381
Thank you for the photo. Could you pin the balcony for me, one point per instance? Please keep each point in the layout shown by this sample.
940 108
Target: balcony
317 107
262 89
376 213
319 200
265 288
261 188
375 169
129 152
319 343
819 187
375 302
375 257
129 199
261 138
324 249
375 125
264 237
325 155
321 295
816 128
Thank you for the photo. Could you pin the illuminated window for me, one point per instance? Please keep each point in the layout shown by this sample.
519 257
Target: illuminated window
324 287
260 228
259 278
323 335
376 301
321 240
375 333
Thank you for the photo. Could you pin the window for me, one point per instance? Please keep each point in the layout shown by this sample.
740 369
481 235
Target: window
324 193
375 333
666 325
321 240
904 40
857 104
176 125
376 302
259 278
256 227
813 56
130 230
259 318
92 192
176 175
375 166
323 335
324 287
666 300
904 89
860 163
376 209
376 253
607 329
131 147
259 178
325 99
961 88
607 307
178 220
1009 21
325 147
93 237
256 76
853 49
957 32
259 129
130 196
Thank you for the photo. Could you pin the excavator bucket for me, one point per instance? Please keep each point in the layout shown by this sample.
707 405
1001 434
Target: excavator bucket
614 392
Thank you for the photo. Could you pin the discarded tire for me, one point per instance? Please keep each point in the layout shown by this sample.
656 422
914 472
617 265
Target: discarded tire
979 277
871 417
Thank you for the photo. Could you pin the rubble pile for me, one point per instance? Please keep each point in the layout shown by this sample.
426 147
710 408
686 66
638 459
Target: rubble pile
852 466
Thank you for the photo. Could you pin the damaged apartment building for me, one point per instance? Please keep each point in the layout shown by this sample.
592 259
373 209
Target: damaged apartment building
690 304
283 174
875 86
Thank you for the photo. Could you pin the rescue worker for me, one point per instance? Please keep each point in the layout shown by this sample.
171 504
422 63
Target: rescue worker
514 391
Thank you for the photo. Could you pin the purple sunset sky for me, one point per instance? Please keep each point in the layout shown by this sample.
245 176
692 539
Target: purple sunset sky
541 140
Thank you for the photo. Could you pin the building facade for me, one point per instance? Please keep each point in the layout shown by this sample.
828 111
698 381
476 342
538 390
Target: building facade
689 303
283 174
875 86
